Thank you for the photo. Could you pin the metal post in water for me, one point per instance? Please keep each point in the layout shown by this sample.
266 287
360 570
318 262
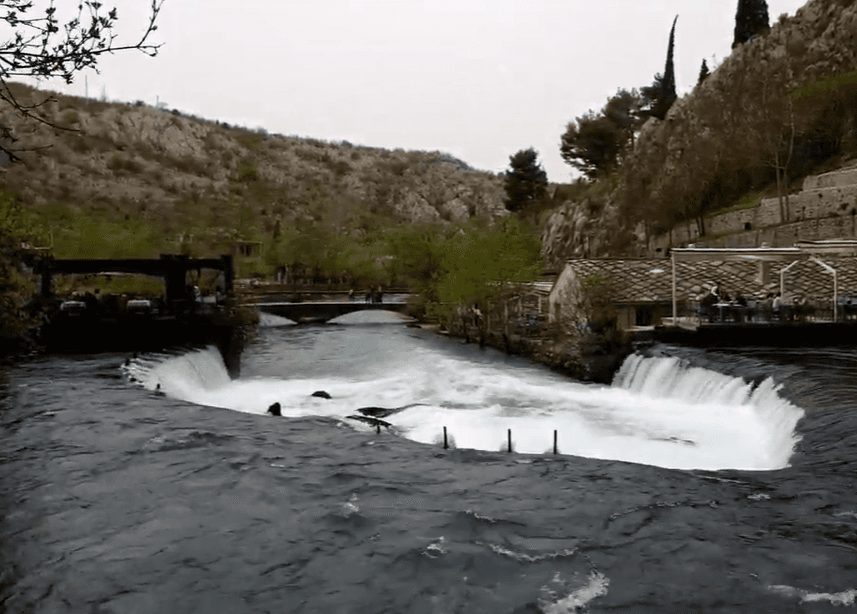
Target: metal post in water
510 440
445 444
554 441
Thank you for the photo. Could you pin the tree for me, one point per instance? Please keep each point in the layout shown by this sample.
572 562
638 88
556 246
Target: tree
17 228
42 45
594 143
661 95
751 20
525 182
771 125
703 72
591 144
623 110
480 263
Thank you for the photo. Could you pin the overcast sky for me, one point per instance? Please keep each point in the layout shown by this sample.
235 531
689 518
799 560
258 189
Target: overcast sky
480 79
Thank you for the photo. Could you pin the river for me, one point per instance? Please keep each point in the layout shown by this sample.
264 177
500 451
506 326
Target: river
699 481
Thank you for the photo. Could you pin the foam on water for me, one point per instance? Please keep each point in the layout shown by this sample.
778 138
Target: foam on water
267 320
659 411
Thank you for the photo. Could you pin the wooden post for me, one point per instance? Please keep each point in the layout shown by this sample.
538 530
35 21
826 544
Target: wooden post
554 441
510 440
445 444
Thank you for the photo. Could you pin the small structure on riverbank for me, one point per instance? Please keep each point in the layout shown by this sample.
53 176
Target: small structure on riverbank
820 275
99 322
640 290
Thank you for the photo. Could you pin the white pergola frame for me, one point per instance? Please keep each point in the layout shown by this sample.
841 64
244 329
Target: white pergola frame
804 250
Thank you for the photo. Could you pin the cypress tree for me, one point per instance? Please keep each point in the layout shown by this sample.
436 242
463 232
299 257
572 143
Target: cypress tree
751 20
661 94
703 72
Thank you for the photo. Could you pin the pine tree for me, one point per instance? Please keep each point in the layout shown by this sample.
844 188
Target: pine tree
703 72
661 94
751 20
525 182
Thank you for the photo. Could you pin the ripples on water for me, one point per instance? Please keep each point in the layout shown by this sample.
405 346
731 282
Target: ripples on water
660 410
143 495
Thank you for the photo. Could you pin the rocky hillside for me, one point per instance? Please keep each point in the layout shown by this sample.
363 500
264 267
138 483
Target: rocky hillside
781 107
132 180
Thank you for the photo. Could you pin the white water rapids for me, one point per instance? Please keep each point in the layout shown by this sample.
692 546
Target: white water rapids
658 411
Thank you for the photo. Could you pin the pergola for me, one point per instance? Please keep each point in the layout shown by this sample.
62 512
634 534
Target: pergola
803 250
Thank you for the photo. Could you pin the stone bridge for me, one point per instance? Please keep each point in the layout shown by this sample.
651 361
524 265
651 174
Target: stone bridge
322 311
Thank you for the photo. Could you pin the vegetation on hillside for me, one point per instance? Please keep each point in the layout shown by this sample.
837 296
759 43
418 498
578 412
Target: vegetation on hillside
129 180
132 180
781 106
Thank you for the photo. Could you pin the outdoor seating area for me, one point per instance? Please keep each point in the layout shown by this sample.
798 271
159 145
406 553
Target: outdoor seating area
814 281
755 311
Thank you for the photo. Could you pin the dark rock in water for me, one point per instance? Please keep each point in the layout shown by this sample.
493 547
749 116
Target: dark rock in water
383 412
371 421
377 412
275 410
321 394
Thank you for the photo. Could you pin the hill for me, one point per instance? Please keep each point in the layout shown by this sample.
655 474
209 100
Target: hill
781 107
130 180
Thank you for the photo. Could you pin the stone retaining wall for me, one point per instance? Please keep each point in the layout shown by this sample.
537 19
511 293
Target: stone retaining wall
825 209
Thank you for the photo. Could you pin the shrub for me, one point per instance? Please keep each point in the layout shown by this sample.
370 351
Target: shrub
70 118
118 163
246 172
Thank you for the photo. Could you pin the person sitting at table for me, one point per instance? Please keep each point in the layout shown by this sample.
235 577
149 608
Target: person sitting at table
715 291
741 311
764 308
776 306
706 305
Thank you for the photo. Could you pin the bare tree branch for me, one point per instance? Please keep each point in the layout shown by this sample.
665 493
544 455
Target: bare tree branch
42 46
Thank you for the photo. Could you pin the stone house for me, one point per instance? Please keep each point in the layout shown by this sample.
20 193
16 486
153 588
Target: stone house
641 290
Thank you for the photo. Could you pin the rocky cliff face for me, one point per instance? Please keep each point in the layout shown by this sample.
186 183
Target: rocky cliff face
180 175
805 51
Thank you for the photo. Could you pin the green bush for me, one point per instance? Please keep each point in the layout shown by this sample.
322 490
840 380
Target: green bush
118 163
247 171
70 118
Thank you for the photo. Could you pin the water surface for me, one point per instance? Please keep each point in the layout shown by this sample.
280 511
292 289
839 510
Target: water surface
698 481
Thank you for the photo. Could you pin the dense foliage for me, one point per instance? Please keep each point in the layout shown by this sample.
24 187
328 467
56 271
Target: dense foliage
525 182
751 20
781 106
17 230
595 143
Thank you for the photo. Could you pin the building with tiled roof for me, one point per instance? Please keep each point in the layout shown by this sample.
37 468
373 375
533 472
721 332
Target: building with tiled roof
641 290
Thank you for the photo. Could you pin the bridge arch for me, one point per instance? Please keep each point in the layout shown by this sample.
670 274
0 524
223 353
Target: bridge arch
324 311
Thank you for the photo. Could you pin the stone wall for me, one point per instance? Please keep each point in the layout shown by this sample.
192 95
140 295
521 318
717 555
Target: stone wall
826 208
